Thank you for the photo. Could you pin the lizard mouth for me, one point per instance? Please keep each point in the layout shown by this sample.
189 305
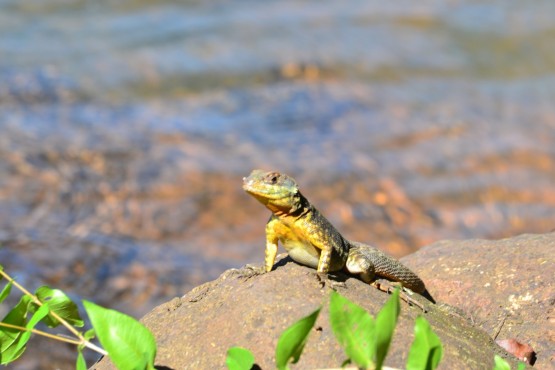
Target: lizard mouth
251 187
262 190
269 186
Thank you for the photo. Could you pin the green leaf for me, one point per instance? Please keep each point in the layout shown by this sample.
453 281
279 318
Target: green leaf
26 335
17 347
8 336
6 291
386 320
10 354
16 316
89 334
500 363
60 303
354 329
80 364
129 343
521 366
239 358
292 341
426 350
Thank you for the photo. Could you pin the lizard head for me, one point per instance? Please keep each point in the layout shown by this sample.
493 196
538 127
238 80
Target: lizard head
277 191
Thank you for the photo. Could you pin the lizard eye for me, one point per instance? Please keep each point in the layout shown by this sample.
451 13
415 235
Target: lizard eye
272 178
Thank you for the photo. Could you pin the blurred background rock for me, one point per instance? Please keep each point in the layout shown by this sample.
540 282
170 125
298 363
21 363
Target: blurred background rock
127 126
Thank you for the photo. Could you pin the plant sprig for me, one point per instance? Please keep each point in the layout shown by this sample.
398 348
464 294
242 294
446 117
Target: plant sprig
128 343
364 338
81 341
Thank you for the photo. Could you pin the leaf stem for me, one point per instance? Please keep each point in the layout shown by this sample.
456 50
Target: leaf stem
40 332
81 340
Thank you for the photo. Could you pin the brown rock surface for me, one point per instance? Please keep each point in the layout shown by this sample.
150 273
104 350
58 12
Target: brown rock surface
195 331
506 287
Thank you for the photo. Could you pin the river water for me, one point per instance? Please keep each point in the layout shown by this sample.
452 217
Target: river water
126 128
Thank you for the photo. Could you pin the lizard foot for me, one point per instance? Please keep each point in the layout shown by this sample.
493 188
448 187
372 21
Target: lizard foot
405 294
322 278
250 271
337 284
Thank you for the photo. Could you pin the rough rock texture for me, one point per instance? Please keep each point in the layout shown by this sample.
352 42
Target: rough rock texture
195 331
506 287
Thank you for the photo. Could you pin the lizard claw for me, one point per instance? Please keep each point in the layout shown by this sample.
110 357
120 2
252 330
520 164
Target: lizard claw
405 294
322 278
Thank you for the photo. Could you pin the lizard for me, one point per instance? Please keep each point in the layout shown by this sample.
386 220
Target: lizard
311 240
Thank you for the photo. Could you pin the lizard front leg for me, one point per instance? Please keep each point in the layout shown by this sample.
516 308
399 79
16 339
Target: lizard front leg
270 252
324 261
271 244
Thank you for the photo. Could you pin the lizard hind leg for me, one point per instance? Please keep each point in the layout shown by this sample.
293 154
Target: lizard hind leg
359 264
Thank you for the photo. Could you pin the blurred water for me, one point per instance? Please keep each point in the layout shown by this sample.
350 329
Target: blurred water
118 50
127 126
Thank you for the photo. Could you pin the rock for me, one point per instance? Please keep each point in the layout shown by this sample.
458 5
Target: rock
506 287
196 330
521 351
